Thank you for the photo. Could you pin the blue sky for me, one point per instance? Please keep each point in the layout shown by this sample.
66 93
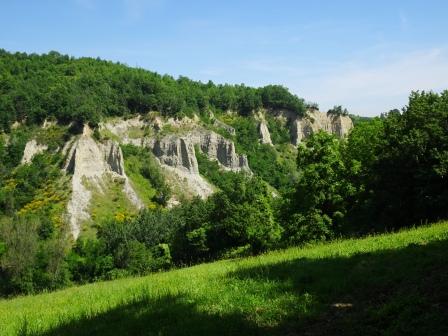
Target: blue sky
365 55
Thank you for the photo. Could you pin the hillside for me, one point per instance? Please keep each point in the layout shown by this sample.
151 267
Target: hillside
109 171
392 284
95 168
97 125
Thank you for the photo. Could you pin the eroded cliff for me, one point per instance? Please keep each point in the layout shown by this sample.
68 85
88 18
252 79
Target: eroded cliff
302 127
88 161
93 161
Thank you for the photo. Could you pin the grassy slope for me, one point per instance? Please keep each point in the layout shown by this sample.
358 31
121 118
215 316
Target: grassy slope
108 201
141 185
389 284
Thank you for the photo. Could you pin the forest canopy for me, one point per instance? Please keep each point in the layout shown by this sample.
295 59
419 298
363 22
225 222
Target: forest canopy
35 87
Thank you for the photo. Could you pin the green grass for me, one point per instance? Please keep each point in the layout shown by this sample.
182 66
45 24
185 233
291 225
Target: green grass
392 284
145 173
141 185
108 200
54 136
107 134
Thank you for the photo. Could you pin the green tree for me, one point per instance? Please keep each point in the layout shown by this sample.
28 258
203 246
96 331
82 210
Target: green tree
410 176
338 110
20 257
360 155
277 96
243 214
318 205
28 263
249 100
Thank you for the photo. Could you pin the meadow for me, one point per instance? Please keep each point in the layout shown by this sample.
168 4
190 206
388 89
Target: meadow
390 284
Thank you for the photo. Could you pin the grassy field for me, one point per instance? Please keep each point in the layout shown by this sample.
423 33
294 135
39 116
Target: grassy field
394 284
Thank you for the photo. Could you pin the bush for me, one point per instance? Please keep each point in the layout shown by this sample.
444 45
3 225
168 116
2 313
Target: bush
309 227
134 257
27 263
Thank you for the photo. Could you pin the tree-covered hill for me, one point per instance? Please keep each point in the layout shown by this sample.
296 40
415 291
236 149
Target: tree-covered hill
35 87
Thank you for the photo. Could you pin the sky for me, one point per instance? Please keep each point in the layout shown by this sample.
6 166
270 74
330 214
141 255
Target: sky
365 55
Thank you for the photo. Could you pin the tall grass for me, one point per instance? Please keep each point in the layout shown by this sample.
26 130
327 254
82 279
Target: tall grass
386 284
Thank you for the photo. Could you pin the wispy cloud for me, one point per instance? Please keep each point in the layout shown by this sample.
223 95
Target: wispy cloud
372 89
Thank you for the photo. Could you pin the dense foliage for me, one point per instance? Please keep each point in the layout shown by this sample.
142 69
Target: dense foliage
264 159
390 173
35 87
33 242
409 176
32 257
321 191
